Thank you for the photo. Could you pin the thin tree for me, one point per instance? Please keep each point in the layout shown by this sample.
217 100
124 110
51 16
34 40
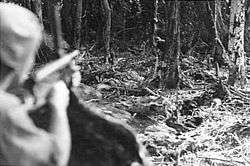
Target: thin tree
77 24
107 28
170 59
236 43
155 37
247 44
66 14
37 8
219 51
85 22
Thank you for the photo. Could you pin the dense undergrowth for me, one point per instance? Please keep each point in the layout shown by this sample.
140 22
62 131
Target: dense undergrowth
203 123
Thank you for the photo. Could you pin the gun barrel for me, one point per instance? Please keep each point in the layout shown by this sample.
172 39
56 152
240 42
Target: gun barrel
55 66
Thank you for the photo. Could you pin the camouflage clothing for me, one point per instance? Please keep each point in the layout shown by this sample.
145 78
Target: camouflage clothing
21 142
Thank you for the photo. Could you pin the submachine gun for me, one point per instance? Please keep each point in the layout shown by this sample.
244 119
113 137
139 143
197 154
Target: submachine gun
96 141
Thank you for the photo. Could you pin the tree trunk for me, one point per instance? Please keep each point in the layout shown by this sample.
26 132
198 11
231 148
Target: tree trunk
218 45
170 75
37 8
154 20
85 23
106 31
147 19
99 31
77 25
247 44
124 26
173 76
163 71
154 36
236 43
67 24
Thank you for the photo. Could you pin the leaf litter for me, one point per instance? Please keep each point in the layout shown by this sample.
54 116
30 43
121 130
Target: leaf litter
205 123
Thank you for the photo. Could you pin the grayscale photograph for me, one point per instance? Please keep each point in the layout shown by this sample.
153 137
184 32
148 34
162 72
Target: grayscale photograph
124 83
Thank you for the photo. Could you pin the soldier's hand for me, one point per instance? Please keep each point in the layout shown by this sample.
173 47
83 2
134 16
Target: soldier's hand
59 97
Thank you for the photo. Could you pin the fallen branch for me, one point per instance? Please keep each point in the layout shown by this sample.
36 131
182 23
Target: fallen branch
152 92
224 160
240 94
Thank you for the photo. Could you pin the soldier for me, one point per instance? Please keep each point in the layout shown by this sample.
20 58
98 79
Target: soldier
22 143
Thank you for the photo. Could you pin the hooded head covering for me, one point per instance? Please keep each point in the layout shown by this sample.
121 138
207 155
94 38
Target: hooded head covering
20 37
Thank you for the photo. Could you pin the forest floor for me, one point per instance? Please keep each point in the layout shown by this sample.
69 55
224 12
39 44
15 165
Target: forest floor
205 123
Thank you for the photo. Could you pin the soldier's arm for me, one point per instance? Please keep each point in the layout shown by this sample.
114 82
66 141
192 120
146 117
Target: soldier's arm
23 144
59 126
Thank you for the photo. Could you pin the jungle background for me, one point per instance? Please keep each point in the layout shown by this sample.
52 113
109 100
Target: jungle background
176 71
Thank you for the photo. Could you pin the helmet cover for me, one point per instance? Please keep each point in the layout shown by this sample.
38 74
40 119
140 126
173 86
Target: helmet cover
20 37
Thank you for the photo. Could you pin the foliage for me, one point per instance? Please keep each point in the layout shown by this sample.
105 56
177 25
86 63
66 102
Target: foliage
204 121
212 127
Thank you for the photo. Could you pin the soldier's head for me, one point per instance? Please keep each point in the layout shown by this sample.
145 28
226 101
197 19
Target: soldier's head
20 37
